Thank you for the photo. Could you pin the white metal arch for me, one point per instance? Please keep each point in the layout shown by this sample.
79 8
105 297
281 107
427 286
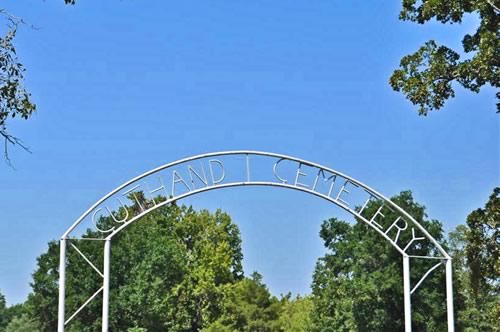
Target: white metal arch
281 183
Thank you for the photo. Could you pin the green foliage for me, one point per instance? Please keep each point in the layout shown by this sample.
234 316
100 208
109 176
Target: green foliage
426 77
296 315
22 324
137 329
169 272
248 307
472 313
15 101
3 312
474 248
358 284
483 246
180 270
8 314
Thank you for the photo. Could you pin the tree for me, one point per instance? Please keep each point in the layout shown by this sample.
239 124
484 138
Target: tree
15 101
296 314
169 272
471 314
22 324
180 270
248 307
426 77
475 252
358 284
13 316
483 246
3 312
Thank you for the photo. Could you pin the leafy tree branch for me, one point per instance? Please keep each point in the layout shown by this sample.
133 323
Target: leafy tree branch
15 100
426 77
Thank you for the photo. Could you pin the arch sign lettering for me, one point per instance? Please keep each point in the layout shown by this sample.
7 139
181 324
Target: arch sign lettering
198 174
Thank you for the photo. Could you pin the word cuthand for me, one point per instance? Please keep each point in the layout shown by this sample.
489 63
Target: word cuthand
188 179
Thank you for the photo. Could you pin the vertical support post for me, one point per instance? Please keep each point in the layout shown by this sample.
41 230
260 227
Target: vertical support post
62 285
449 296
105 293
407 292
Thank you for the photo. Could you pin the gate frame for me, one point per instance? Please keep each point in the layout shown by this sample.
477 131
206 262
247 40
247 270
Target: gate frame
407 290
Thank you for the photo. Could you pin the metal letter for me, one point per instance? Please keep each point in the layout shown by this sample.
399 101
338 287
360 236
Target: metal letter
394 224
113 216
413 239
131 190
299 173
161 187
378 213
276 174
366 203
334 177
214 182
202 179
343 190
179 179
95 223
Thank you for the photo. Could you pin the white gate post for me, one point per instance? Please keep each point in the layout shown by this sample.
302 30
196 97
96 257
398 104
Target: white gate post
449 296
62 284
407 292
105 293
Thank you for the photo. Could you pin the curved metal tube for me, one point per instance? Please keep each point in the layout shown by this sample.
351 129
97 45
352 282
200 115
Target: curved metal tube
266 154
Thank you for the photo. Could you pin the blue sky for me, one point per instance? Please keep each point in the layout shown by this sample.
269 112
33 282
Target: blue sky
125 86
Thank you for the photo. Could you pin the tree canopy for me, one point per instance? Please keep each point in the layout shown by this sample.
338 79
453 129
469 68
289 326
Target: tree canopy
247 307
175 270
15 318
475 249
358 284
169 273
427 76
180 270
3 309
23 323
483 245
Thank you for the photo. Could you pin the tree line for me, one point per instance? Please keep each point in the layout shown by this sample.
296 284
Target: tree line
181 270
